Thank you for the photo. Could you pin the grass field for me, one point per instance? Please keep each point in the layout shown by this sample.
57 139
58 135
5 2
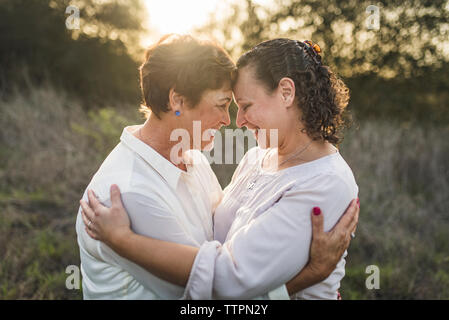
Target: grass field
50 147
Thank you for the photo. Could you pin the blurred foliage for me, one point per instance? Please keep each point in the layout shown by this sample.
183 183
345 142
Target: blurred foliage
102 128
93 62
403 177
51 154
400 71
412 33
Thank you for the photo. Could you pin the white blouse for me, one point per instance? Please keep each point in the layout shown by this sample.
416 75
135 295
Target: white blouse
263 231
162 201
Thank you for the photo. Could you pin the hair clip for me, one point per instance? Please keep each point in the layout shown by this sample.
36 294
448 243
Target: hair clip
313 50
313 46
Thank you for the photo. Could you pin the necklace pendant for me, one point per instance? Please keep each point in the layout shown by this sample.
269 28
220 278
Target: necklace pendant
251 185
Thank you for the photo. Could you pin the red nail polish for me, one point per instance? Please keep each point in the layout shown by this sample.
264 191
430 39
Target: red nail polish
316 211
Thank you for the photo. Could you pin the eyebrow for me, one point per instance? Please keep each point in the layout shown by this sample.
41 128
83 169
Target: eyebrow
226 98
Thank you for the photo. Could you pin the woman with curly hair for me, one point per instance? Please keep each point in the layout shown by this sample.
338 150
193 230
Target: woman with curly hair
262 226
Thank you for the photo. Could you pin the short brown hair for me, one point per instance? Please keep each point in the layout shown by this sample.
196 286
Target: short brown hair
185 63
322 96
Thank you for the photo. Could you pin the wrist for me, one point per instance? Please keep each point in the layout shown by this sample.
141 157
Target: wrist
118 238
319 272
310 275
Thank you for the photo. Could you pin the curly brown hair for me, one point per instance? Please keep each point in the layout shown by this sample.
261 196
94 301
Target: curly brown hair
321 96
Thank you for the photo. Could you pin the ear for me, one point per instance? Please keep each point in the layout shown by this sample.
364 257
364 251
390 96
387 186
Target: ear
286 89
175 100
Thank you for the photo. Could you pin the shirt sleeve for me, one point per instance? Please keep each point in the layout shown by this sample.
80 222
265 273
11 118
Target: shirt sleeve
149 218
273 247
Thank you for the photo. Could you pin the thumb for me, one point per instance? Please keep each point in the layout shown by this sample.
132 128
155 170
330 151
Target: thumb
116 199
317 221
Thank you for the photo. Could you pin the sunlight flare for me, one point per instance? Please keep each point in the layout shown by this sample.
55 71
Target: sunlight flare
178 16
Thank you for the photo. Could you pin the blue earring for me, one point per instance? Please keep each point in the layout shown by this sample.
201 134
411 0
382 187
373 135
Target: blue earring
177 112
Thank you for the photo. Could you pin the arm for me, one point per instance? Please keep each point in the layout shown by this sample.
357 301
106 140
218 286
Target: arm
326 248
173 262
274 246
168 260
148 216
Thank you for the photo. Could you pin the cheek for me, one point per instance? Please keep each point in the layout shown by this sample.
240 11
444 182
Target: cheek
210 120
214 119
253 115
260 118
207 115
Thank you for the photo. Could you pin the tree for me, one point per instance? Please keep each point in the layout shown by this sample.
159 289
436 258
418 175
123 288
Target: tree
399 70
93 62
412 34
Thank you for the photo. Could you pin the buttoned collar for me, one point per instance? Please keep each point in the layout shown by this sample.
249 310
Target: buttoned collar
168 171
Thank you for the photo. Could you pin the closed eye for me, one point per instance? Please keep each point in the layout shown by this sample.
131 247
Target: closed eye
222 106
246 106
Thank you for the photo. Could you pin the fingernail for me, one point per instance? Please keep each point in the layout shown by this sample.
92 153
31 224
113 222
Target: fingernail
358 202
316 211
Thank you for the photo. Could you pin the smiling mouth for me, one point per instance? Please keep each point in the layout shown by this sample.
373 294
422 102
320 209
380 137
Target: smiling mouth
255 131
211 133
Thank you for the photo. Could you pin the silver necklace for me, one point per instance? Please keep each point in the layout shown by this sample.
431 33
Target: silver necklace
253 181
295 154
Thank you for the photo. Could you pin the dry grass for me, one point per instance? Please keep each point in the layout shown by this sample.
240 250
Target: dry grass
50 147
403 175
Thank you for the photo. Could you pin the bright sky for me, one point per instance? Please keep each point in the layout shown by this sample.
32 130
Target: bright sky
182 16
178 16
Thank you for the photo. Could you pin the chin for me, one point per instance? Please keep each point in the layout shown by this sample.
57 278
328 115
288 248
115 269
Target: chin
255 134
263 140
208 147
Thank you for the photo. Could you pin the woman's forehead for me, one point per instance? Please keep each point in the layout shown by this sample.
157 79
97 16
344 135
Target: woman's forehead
222 95
246 88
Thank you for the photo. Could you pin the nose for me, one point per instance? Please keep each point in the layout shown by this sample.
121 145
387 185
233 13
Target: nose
240 120
226 120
